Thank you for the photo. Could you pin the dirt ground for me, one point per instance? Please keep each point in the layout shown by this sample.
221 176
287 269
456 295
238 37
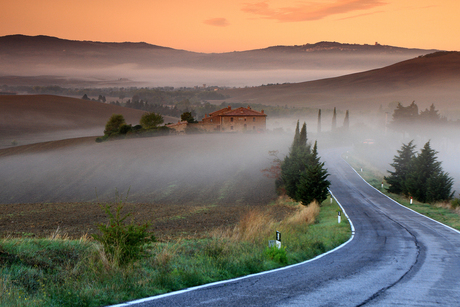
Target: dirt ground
75 220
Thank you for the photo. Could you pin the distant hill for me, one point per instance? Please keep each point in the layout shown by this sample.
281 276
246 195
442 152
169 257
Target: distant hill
22 55
433 78
30 119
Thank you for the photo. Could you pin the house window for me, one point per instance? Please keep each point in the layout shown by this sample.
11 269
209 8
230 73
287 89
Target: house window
211 120
245 119
253 119
231 127
231 119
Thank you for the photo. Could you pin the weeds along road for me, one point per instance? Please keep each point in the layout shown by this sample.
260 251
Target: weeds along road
396 257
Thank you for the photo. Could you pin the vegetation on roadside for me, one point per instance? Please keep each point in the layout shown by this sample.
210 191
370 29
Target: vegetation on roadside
60 272
446 212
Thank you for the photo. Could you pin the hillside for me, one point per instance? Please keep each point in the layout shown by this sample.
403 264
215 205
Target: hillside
433 78
59 60
34 118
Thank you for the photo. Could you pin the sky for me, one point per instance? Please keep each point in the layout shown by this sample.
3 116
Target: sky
228 25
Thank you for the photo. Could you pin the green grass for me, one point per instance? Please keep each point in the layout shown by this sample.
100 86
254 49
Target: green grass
60 272
375 178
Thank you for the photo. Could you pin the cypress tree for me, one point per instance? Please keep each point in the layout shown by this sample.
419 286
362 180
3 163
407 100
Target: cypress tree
346 121
334 120
319 121
303 136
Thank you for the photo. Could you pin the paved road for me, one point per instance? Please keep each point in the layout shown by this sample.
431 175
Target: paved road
396 257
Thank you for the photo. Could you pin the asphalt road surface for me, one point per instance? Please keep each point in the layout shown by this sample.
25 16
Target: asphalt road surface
396 258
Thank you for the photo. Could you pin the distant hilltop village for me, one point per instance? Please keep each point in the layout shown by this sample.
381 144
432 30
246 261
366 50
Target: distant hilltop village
227 120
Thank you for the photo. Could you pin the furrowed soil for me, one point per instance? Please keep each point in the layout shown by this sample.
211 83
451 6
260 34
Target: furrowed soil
184 185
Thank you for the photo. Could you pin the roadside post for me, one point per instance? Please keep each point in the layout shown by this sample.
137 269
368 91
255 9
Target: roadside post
339 217
411 200
276 242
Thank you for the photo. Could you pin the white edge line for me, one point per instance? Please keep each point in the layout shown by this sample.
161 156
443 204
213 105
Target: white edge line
447 226
156 297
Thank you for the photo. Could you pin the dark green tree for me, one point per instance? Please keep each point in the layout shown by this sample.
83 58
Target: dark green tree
426 181
313 184
303 136
401 164
302 173
113 124
188 117
151 120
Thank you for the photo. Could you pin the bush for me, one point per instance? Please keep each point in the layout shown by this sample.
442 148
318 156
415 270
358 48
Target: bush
124 129
123 243
114 123
277 254
151 120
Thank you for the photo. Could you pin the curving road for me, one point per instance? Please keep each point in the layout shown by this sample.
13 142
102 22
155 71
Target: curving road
396 257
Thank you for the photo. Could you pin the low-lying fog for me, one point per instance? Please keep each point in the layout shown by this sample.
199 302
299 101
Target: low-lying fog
206 168
131 75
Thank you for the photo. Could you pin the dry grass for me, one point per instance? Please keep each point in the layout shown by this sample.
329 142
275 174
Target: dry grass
258 225
305 214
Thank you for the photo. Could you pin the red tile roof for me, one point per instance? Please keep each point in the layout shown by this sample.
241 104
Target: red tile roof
243 112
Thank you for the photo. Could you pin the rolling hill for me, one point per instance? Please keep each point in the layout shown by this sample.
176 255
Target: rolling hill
433 78
30 119
62 61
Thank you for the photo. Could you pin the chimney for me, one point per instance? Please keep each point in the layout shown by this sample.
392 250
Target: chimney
249 107
262 111
229 108
205 115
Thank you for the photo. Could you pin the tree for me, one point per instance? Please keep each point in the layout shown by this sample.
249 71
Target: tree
426 181
302 173
313 184
334 120
346 121
401 164
151 120
113 124
85 97
188 117
319 121
303 135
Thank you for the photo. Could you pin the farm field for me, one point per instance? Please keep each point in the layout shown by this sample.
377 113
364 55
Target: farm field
184 185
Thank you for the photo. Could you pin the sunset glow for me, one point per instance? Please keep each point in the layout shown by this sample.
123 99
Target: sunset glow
225 26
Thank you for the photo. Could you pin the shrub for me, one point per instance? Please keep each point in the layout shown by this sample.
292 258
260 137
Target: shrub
124 129
151 120
123 243
114 123
276 254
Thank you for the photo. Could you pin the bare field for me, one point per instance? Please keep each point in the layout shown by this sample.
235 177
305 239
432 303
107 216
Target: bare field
185 185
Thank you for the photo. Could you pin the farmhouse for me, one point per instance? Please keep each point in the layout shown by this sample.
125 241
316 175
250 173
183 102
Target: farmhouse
228 120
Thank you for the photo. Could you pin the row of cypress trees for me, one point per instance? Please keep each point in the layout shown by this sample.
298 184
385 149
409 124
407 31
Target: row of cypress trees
419 175
302 174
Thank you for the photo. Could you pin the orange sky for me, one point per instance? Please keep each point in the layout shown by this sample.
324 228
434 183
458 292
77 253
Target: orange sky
228 25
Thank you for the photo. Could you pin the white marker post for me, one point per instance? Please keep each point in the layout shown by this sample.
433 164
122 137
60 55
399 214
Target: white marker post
411 200
278 239
339 217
